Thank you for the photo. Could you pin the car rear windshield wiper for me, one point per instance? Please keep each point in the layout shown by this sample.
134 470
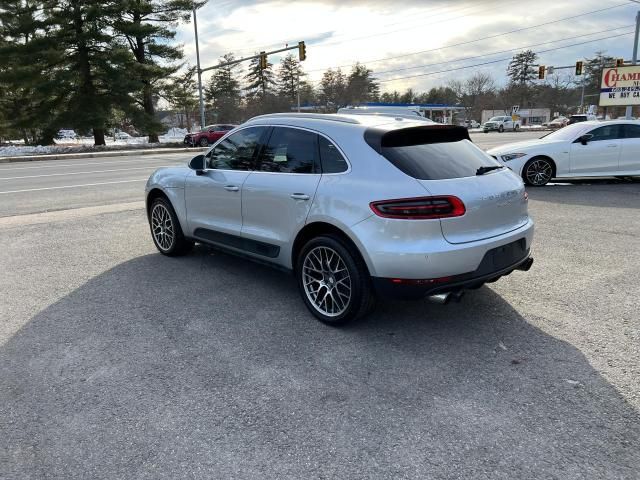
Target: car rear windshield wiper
483 170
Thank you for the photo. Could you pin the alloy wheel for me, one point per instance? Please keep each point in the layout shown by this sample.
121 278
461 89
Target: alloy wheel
162 227
326 281
539 172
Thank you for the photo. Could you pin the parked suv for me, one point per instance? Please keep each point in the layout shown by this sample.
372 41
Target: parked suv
356 206
208 135
501 124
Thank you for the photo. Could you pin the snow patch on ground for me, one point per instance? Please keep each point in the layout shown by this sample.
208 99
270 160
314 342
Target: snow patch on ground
85 144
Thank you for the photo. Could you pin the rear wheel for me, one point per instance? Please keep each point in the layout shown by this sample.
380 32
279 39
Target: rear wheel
333 280
165 229
204 142
537 172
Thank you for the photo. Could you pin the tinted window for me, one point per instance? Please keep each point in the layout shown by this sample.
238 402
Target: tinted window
631 131
331 159
437 161
290 151
237 151
608 132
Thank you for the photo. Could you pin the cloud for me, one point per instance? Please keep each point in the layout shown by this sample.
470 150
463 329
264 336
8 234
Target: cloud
381 34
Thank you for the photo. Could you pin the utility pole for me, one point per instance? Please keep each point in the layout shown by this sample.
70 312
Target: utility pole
298 89
195 28
634 60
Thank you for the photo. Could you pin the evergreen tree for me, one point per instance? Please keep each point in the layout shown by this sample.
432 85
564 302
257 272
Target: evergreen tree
593 71
148 26
361 86
181 93
223 90
260 82
333 86
521 69
289 75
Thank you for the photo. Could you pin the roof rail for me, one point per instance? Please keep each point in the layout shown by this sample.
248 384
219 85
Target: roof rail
332 117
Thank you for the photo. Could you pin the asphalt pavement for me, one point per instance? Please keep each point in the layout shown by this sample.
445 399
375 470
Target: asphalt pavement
118 362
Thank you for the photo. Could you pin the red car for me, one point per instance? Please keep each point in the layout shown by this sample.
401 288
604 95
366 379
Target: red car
207 135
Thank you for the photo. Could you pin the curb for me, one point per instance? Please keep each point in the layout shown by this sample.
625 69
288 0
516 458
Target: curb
114 153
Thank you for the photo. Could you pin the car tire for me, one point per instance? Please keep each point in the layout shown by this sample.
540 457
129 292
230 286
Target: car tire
538 171
501 129
328 265
165 229
486 131
203 142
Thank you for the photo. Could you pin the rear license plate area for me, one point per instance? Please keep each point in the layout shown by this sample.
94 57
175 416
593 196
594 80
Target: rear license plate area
506 255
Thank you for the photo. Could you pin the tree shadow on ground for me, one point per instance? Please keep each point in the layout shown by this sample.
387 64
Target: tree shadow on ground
210 366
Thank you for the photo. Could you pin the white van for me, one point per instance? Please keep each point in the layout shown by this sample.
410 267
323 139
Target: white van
401 112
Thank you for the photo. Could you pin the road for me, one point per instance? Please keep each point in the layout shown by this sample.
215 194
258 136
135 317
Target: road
117 362
32 187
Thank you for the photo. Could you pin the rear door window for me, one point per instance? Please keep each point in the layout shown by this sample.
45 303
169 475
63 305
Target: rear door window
434 154
290 150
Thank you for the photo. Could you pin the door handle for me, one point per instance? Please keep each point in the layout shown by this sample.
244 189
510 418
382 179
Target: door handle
231 188
612 146
299 196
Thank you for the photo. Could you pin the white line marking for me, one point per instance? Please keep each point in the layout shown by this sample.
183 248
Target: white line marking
80 173
79 163
73 186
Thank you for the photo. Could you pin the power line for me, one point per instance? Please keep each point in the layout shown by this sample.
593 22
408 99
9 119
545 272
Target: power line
503 51
500 59
481 38
414 19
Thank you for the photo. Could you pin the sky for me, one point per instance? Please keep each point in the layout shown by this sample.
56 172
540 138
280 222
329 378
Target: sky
431 41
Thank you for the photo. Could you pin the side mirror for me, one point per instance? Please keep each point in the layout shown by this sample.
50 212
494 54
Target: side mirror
197 163
584 139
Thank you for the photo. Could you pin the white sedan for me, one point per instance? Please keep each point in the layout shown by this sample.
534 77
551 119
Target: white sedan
586 149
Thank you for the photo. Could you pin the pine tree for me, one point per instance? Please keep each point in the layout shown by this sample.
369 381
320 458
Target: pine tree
260 82
223 90
333 86
593 71
289 75
148 26
361 85
521 69
181 93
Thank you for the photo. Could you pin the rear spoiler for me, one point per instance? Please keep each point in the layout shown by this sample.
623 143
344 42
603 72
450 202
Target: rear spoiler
378 138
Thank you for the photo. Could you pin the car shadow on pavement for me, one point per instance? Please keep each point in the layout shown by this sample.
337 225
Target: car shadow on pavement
590 192
209 366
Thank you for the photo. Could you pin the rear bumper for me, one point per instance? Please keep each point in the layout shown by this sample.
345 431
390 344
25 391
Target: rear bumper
486 272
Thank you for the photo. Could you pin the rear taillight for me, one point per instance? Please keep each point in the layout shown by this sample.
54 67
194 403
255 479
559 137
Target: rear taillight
421 208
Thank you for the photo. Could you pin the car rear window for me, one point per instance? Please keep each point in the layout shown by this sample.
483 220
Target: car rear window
431 153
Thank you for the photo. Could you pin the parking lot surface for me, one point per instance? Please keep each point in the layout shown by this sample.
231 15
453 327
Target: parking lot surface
117 362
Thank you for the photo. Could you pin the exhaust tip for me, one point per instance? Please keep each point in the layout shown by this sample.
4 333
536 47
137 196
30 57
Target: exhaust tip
440 298
526 265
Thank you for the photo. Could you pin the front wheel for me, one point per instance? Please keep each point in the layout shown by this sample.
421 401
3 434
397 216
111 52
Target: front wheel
537 172
333 280
165 229
204 142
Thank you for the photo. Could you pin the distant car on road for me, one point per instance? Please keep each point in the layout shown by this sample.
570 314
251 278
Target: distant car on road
500 124
208 135
65 134
558 122
120 135
354 205
471 124
584 149
582 117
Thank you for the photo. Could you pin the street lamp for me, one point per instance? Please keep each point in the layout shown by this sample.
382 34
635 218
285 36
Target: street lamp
195 28
634 60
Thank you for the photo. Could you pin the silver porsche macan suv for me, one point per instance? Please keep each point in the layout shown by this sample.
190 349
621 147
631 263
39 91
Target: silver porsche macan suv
357 206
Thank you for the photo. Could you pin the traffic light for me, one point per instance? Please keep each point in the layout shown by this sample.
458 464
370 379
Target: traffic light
302 51
619 62
578 67
541 72
263 60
